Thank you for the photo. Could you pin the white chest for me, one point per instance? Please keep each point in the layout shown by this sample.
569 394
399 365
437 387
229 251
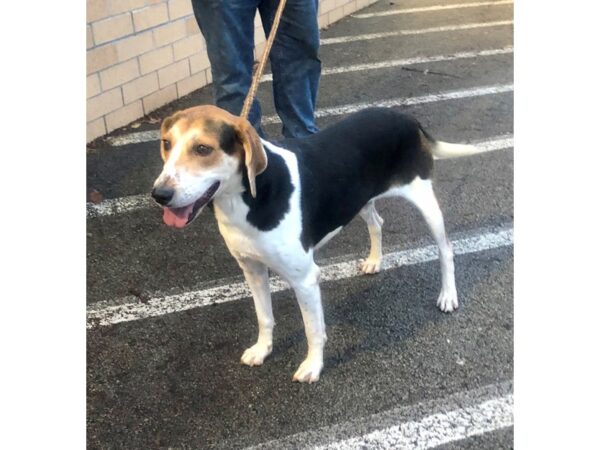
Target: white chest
246 241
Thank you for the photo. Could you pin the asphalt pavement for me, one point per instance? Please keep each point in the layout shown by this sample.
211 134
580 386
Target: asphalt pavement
163 371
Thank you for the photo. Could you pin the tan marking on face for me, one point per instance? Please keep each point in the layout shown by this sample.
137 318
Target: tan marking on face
190 128
212 127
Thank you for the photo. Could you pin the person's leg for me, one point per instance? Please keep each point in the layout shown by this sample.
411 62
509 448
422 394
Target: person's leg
228 28
295 63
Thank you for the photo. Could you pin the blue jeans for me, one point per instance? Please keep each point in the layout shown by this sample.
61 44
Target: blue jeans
228 28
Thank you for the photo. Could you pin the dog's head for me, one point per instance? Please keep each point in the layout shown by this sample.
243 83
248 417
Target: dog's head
204 149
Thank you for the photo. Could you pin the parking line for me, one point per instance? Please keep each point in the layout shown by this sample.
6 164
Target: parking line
407 62
431 8
154 135
500 143
137 137
131 203
366 37
405 101
106 313
346 109
437 429
423 425
119 205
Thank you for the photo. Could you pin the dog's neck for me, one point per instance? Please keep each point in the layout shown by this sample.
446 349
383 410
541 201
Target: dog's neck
227 202
235 205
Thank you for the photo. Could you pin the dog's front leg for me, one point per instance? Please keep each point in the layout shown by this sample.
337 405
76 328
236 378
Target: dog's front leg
257 277
308 294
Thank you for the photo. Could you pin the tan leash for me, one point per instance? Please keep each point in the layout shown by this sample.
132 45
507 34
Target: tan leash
263 61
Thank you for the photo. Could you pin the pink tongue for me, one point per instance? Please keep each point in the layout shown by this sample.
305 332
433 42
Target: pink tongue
177 217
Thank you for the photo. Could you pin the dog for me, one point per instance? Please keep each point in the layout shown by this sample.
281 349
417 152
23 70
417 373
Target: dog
277 203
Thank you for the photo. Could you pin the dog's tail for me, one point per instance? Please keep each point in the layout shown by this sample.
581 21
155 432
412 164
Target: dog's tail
443 150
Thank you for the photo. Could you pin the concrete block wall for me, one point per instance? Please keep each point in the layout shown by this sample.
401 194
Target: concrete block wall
143 54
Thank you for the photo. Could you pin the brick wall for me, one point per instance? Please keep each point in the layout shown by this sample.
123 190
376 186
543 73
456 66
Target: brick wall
142 54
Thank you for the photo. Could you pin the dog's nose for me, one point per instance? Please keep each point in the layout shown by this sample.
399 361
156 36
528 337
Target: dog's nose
163 194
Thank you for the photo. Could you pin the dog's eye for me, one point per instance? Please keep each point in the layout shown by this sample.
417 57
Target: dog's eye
203 150
166 145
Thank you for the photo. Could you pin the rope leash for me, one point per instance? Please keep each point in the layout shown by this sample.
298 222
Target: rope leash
263 61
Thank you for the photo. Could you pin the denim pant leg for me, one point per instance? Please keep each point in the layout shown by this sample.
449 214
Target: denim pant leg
295 64
228 28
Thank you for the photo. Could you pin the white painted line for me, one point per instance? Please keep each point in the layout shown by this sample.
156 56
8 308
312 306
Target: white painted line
428 432
437 429
105 313
431 8
407 62
405 101
119 205
134 138
500 143
366 37
453 417
154 135
131 203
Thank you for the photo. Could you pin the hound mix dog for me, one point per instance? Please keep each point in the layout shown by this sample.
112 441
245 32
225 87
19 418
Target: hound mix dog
276 204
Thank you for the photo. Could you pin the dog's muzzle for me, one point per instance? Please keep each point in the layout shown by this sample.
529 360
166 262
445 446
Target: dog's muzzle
183 216
163 194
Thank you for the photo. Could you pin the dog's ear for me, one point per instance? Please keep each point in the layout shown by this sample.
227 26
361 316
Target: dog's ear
255 155
168 122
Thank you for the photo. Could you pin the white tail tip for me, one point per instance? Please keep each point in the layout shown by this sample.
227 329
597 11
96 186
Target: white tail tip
442 150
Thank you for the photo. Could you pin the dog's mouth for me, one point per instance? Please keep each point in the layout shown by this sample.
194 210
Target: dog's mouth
182 217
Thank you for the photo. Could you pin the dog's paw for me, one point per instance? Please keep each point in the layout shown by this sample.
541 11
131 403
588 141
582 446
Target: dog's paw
255 355
309 370
448 300
370 265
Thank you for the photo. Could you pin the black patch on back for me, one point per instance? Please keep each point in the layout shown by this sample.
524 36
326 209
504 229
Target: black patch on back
345 165
273 191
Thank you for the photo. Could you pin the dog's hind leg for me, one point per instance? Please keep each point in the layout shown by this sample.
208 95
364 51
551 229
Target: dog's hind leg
257 277
420 193
374 222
